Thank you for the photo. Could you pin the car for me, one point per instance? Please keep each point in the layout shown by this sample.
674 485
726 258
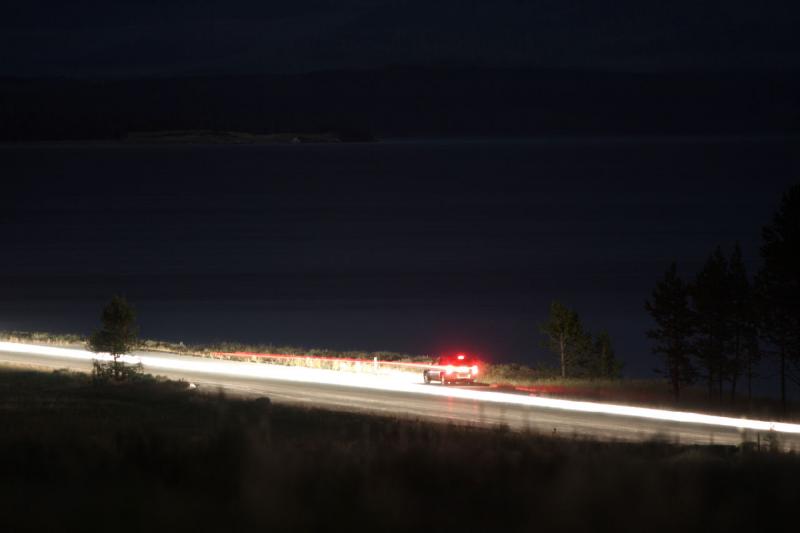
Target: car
452 369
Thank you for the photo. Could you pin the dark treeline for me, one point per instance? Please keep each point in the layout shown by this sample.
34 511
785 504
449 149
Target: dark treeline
405 102
717 327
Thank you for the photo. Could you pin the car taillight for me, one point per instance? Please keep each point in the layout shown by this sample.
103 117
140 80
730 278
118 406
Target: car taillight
449 369
474 370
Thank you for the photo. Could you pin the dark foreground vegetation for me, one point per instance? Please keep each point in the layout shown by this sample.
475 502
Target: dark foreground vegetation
148 454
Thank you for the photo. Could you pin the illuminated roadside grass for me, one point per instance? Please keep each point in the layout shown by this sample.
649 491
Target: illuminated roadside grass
643 392
164 457
208 350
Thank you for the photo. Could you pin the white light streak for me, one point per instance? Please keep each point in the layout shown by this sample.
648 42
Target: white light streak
400 382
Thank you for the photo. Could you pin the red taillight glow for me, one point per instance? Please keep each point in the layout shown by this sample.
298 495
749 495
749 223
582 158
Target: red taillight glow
474 370
449 369
460 357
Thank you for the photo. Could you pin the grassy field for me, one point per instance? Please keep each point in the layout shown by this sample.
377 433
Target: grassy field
153 455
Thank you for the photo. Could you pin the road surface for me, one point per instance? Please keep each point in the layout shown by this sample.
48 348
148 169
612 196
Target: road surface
409 397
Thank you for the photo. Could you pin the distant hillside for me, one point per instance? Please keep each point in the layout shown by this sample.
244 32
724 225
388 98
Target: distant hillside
406 102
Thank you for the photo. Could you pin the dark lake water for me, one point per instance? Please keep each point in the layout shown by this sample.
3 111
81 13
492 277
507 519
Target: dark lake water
413 246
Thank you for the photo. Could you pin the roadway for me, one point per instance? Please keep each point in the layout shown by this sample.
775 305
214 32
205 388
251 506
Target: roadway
407 396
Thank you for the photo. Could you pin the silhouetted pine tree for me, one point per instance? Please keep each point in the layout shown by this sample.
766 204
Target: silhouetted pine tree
669 307
710 299
567 338
117 337
604 363
779 286
743 339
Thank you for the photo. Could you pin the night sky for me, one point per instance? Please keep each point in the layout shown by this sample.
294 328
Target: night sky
165 37
413 245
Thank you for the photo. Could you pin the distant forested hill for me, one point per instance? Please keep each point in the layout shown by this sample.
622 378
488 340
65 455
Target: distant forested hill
407 102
